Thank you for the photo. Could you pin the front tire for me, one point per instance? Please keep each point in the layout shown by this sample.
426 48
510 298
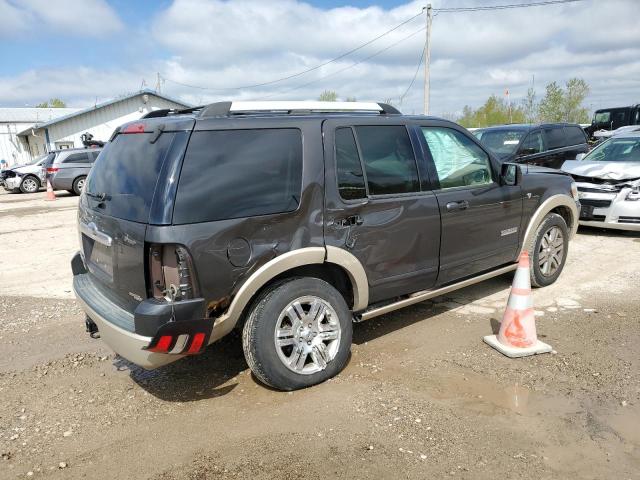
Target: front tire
297 334
29 184
548 250
78 184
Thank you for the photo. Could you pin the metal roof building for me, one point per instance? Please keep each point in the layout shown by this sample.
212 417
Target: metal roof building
15 120
99 120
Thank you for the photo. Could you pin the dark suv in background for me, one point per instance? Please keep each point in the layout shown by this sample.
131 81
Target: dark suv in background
290 221
547 145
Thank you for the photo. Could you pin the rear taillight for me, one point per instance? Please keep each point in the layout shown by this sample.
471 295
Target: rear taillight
52 169
170 271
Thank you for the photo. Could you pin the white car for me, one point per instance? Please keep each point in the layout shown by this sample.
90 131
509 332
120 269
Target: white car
26 178
608 181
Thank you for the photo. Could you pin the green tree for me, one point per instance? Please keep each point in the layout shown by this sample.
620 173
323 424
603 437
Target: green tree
565 105
552 105
495 111
530 106
328 96
577 91
52 103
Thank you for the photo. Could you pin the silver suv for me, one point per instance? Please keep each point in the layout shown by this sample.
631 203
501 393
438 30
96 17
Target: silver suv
68 169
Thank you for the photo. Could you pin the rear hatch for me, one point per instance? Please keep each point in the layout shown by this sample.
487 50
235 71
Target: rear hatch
130 186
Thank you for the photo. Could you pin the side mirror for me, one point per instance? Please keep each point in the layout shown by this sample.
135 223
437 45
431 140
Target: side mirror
510 174
580 156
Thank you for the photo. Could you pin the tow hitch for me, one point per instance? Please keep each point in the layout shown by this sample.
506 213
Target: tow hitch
91 327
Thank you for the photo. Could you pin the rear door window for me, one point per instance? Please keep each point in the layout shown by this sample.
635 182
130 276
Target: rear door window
554 137
239 173
82 157
575 135
349 169
532 144
388 158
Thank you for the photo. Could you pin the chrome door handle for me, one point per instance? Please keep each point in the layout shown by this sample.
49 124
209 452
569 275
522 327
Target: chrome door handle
461 205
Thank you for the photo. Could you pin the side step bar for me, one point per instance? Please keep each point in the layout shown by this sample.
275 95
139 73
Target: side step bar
427 294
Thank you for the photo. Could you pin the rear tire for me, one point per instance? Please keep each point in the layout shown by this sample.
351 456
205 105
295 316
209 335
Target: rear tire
29 184
78 184
548 250
297 334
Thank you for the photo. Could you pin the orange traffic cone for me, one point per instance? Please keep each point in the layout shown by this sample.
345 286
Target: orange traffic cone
50 194
517 336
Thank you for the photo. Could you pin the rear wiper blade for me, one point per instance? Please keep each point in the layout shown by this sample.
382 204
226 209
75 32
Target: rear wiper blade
98 196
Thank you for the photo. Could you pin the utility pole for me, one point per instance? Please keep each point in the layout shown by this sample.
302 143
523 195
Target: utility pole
427 60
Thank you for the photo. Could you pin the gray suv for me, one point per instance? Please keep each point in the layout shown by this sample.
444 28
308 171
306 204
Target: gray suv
67 169
292 220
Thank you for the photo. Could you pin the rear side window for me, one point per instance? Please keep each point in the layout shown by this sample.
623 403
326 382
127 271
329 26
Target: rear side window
575 135
389 162
239 173
78 158
554 137
348 166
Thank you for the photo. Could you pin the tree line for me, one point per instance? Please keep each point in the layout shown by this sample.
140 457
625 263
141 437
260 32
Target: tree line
558 105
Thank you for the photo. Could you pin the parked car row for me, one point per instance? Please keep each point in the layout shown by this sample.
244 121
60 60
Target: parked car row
66 169
608 177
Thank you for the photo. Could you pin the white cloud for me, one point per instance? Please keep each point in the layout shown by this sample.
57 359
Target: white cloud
91 18
223 44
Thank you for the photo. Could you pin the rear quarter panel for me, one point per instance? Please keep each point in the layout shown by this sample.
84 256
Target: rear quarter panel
262 238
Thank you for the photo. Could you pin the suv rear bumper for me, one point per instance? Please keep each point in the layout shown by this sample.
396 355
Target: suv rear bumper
107 316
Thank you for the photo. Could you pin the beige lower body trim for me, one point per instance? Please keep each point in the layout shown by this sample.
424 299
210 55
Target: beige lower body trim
549 204
427 294
357 275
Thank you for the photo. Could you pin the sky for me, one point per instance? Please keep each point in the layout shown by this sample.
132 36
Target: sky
89 51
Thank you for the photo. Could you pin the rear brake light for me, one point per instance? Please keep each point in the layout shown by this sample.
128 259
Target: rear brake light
170 272
133 128
52 169
196 343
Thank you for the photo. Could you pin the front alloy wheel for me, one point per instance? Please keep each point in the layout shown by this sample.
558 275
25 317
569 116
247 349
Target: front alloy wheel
29 185
549 250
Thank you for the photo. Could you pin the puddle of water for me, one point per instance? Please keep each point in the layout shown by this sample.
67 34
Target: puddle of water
484 396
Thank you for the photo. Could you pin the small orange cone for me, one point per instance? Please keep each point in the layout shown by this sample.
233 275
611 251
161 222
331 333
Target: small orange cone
517 336
50 195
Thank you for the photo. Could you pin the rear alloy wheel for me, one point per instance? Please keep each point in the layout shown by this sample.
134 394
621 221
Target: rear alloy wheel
549 250
78 185
29 185
298 334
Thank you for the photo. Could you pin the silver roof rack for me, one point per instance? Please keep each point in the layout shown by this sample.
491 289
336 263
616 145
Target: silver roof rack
225 109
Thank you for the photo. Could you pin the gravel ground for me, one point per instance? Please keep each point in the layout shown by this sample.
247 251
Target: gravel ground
422 396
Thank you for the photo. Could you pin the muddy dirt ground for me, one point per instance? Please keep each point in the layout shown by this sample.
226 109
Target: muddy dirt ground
422 396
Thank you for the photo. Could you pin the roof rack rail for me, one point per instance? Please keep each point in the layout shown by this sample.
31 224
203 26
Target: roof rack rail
225 109
165 112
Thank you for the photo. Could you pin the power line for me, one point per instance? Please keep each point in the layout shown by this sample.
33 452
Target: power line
347 67
503 7
415 75
316 67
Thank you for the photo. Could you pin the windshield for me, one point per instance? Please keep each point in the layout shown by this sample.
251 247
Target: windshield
38 160
616 150
501 142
